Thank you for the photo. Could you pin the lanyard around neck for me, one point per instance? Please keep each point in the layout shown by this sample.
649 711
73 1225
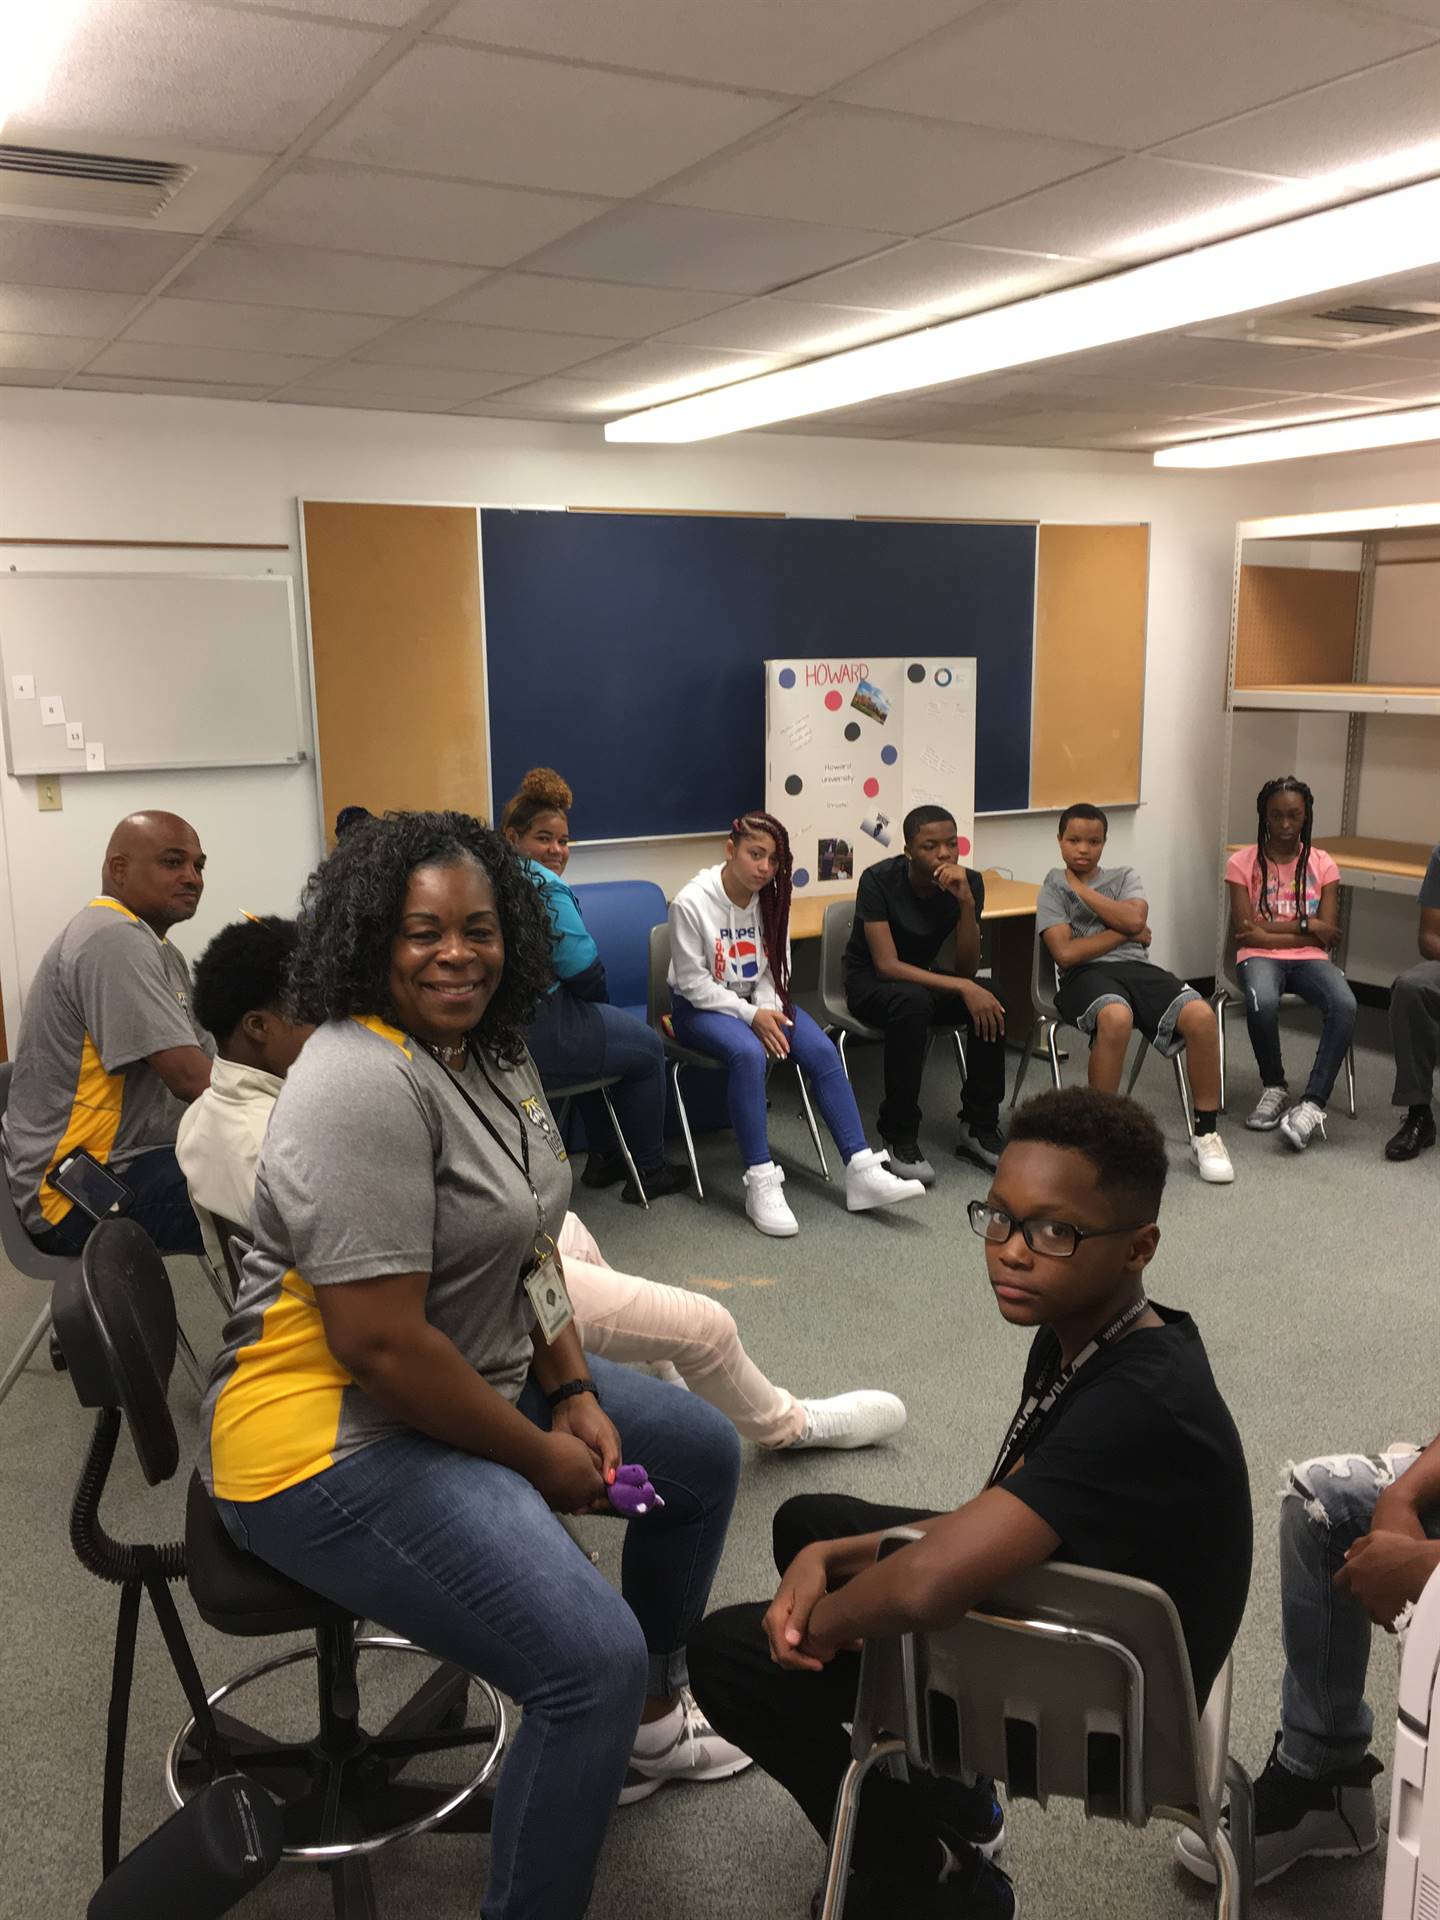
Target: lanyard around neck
520 1161
1036 1409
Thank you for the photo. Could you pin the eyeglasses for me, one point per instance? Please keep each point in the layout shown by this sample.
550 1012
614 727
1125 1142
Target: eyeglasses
1056 1238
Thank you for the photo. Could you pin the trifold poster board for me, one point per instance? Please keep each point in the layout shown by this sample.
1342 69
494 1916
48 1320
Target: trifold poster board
852 745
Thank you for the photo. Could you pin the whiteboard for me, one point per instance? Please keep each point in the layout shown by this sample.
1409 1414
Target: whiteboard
156 669
851 745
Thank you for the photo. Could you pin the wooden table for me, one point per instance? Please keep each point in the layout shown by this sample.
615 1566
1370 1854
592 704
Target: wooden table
1005 899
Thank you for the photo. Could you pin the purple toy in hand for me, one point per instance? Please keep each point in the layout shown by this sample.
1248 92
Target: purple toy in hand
630 1492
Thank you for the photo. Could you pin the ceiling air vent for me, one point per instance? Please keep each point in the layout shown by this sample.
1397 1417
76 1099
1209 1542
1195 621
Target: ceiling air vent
1379 319
94 183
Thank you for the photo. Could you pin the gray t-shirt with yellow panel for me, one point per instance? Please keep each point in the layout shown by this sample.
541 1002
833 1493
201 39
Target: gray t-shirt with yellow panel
108 994
374 1164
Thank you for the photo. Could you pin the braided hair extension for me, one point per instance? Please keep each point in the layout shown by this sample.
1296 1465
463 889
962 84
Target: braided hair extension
1287 783
773 905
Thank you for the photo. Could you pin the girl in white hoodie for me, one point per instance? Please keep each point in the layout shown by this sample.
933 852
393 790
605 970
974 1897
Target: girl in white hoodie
730 994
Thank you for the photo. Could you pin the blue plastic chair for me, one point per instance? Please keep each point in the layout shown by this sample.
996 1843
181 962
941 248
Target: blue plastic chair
619 915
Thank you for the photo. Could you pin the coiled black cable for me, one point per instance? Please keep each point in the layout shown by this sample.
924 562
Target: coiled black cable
110 1559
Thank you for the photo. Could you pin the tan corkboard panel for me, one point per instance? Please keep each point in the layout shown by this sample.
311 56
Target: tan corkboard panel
1294 625
395 627
1090 597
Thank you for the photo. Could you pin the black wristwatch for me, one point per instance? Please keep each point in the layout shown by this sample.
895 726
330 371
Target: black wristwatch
569 1391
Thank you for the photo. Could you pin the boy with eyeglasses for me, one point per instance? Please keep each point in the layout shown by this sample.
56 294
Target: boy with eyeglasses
1121 1455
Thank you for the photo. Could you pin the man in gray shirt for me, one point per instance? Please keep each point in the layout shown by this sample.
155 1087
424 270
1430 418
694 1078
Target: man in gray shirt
109 1053
1415 1029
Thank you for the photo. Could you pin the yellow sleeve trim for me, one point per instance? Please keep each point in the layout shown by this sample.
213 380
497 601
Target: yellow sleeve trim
385 1031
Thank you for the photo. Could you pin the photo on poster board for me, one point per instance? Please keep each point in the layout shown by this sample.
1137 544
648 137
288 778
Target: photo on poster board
851 745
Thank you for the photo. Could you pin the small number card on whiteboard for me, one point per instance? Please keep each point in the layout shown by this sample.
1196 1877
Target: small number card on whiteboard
852 745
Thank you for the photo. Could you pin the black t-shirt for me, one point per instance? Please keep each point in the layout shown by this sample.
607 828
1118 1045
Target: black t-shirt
1140 1471
920 924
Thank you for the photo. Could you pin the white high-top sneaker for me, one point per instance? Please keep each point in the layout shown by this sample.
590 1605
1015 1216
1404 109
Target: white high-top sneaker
870 1183
765 1203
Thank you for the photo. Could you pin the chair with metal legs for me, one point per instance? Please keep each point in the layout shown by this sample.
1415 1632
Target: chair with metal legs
678 1056
344 1792
1229 993
560 1098
1050 1020
1068 1681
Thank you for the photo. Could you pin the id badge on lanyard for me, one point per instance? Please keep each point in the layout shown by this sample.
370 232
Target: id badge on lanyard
545 1284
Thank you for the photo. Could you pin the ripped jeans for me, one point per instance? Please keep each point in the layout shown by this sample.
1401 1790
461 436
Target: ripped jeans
1325 1724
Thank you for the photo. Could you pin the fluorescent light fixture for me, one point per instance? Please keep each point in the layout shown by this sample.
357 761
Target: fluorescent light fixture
1405 429
1369 239
33 34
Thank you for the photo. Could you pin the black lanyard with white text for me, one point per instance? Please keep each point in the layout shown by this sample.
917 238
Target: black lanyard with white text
1036 1409
520 1161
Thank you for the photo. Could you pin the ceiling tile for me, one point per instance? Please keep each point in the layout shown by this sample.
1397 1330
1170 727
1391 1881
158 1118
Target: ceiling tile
652 371
580 306
143 359
363 210
492 116
1215 362
377 13
219 323
56 310
168 70
1133 210
448 385
1425 387
575 399
34 253
939 277
332 282
362 402
787 326
1426 12
438 343
1104 72
1294 413
800 46
44 352
174 389
29 377
842 164
1373 119
715 252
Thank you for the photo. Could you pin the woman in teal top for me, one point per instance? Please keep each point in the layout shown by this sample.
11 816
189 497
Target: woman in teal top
577 1034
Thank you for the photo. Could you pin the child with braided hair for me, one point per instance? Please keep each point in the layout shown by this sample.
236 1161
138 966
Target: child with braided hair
1285 912
730 988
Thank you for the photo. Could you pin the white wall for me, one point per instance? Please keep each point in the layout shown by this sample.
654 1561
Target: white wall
111 466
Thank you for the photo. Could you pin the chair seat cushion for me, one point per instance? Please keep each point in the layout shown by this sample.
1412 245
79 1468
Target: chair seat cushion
239 1594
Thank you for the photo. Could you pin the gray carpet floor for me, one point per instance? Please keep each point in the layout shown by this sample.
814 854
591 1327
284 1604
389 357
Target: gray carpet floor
1312 1278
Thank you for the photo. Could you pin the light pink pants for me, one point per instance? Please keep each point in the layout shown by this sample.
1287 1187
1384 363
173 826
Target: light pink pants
624 1318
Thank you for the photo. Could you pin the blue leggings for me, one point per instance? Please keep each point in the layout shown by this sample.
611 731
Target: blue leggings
729 1039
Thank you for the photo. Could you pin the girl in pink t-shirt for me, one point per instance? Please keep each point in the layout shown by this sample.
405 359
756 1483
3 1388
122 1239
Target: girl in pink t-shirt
1285 913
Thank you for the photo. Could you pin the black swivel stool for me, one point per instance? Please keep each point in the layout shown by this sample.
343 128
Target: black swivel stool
344 1793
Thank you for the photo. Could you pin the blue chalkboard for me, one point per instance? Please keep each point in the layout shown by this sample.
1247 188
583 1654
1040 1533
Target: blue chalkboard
628 650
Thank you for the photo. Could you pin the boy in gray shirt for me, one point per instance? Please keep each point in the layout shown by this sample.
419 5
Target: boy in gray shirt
1094 922
109 1052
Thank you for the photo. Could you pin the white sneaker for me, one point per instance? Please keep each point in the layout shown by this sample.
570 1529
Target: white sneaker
697 1753
765 1203
1268 1109
856 1419
1208 1150
870 1183
1301 1124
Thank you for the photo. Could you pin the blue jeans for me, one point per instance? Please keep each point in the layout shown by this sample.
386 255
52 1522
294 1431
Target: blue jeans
1322 984
1325 1724
161 1205
575 1039
463 1557
729 1039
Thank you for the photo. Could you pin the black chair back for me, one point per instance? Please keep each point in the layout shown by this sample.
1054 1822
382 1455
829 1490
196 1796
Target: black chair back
115 1320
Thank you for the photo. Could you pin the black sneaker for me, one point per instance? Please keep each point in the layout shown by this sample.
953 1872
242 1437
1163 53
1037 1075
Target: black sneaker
976 1890
980 1141
1416 1132
1297 1819
964 1816
907 1162
666 1178
603 1169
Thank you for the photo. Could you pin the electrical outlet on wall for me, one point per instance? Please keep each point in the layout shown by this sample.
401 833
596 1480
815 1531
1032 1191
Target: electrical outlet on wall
47 793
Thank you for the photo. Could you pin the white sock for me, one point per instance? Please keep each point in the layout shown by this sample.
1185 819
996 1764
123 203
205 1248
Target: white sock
658 1736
